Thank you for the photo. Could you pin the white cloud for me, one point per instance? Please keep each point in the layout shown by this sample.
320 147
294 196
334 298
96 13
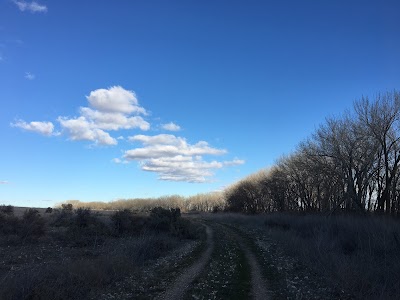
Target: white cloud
115 99
166 145
81 129
111 110
45 128
29 76
163 139
181 168
171 127
235 162
32 7
174 159
4 182
119 161
113 120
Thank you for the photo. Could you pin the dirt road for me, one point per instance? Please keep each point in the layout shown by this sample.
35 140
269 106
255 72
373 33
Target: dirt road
228 269
233 262
182 283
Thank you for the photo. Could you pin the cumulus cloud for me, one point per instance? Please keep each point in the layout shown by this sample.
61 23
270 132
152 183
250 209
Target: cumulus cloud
110 110
174 159
115 99
166 145
171 127
29 76
45 128
181 168
80 129
113 120
32 7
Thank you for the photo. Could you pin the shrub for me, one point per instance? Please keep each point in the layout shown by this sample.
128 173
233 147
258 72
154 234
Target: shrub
49 210
170 220
7 209
85 229
163 219
9 224
32 224
83 217
61 218
124 221
67 207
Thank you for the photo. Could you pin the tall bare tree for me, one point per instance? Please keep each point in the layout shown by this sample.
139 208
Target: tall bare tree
382 119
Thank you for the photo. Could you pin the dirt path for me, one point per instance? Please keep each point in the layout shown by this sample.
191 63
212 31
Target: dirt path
181 284
258 288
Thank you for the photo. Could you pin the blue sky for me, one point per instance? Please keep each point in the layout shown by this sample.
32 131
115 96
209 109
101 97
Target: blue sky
119 99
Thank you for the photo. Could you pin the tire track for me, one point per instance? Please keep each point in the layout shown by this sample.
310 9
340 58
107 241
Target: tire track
259 290
182 283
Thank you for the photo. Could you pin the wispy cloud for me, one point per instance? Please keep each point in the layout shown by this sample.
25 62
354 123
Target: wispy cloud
29 76
171 127
4 182
119 161
45 128
33 7
235 162
174 159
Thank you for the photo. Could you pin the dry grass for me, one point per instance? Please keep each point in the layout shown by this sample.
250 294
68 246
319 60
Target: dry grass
356 255
76 254
359 255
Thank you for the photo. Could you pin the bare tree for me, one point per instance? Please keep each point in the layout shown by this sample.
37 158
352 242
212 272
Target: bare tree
382 119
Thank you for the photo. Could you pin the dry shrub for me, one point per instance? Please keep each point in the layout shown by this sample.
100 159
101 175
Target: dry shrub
125 222
7 209
32 225
79 279
358 254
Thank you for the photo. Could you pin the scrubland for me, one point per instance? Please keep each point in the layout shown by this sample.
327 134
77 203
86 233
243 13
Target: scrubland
81 254
77 254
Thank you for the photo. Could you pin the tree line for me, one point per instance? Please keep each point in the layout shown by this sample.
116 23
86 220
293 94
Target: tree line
350 162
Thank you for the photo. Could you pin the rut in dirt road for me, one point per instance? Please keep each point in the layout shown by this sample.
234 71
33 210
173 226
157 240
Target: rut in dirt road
258 286
258 289
233 271
181 284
